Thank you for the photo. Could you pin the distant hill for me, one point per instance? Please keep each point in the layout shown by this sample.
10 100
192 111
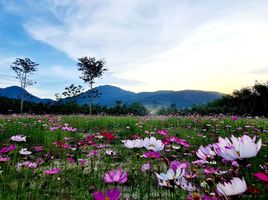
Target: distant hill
14 92
182 99
111 94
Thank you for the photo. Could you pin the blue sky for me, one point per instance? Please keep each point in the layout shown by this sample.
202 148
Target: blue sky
148 44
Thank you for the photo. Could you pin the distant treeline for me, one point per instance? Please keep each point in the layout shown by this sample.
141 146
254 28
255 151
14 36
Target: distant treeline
251 101
10 106
246 101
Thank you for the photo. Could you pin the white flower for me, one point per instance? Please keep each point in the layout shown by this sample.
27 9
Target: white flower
24 151
170 178
153 144
237 148
205 153
110 152
138 143
186 185
18 138
234 187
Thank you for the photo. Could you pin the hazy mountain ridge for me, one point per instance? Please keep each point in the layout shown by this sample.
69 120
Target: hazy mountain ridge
111 94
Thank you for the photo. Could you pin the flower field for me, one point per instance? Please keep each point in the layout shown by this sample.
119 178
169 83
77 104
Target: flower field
110 158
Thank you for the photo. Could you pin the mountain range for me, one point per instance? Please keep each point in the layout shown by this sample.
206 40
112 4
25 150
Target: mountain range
111 94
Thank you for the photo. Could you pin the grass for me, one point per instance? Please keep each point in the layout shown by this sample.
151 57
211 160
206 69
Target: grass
76 181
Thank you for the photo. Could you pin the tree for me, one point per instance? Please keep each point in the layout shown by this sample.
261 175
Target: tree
23 69
72 91
91 69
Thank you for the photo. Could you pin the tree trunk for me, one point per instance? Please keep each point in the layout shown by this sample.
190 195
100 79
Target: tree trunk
90 99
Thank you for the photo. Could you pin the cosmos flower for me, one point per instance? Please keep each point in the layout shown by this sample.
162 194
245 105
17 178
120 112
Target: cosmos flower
146 167
18 138
205 153
92 153
176 164
171 178
110 195
29 164
110 152
8 149
25 152
162 132
138 143
117 176
38 148
234 187
4 159
152 154
52 171
261 176
237 148
153 144
234 118
108 136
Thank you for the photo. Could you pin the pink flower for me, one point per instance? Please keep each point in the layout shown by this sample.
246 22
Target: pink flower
117 176
29 164
7 149
82 162
152 154
146 167
110 195
38 148
53 128
162 132
261 176
52 171
92 153
4 159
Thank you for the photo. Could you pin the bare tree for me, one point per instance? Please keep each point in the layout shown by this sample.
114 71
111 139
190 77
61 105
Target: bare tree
23 69
91 69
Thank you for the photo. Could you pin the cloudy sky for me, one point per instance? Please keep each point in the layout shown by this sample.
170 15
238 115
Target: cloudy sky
148 45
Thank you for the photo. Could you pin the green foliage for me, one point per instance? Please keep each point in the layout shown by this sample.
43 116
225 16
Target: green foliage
246 101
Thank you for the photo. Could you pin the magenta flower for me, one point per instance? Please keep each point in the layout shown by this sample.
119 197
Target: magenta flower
152 154
7 149
52 171
162 132
176 164
234 118
4 159
261 176
110 195
117 176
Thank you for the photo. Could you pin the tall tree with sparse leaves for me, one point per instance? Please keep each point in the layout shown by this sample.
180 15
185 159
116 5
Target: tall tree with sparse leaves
23 69
91 69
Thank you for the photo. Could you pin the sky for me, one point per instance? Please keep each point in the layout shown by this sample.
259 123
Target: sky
148 45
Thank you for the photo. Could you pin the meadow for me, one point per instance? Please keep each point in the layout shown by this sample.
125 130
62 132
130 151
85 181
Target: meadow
104 157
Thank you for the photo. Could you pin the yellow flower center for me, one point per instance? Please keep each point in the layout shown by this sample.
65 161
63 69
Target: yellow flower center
151 145
106 198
